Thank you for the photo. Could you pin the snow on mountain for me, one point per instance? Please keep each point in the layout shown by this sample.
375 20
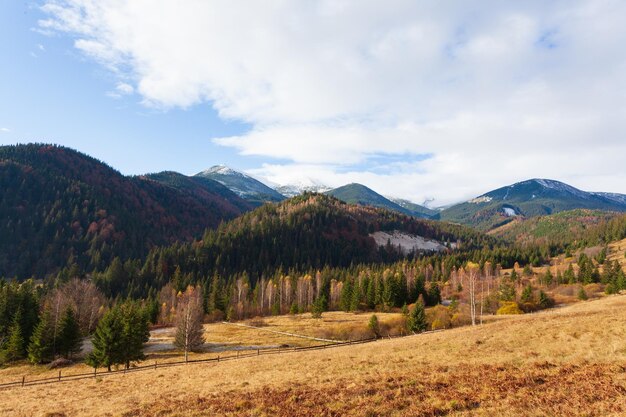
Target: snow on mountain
222 170
242 184
560 186
304 185
618 198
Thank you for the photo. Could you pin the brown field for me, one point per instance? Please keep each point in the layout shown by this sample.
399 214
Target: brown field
565 362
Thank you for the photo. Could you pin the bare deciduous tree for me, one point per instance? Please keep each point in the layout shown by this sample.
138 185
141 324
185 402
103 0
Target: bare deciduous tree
189 313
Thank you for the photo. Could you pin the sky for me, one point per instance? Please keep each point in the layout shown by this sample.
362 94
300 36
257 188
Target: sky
435 101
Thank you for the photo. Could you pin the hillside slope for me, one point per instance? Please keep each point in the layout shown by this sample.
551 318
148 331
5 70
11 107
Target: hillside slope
304 232
59 207
559 362
566 226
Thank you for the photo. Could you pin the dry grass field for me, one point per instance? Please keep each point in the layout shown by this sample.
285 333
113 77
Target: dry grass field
566 362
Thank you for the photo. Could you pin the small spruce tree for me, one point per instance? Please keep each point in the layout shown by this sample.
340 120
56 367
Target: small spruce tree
527 294
416 322
318 307
374 326
582 295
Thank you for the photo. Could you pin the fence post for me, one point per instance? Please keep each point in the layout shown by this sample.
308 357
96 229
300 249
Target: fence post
59 375
258 352
218 358
237 354
155 364
23 380
95 371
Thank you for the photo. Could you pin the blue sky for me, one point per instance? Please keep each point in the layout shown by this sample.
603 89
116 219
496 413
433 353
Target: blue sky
431 100
51 93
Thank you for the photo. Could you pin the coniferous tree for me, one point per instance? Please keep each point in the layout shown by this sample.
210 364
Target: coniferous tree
15 346
527 294
107 341
374 326
41 347
319 306
434 294
544 301
416 322
135 332
69 340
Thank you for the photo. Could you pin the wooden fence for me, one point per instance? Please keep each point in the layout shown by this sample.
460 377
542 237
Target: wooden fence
259 352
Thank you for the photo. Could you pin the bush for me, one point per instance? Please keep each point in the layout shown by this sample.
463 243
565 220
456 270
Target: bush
509 307
439 317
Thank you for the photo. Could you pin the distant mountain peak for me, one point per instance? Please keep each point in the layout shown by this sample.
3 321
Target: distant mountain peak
302 185
222 170
242 184
529 198
355 193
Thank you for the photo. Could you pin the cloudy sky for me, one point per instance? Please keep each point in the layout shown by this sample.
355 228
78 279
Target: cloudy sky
426 100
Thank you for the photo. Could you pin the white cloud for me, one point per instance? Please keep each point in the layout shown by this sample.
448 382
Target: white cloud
4 130
121 89
495 93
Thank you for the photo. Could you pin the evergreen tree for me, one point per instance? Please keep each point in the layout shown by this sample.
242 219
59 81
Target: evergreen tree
582 295
15 347
135 333
356 297
405 310
69 340
374 326
41 347
319 306
527 294
434 294
346 295
107 340
544 300
416 322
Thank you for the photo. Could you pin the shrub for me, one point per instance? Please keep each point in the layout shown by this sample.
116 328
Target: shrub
439 317
509 307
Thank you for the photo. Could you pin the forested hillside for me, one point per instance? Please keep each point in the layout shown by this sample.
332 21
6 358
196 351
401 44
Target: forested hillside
59 207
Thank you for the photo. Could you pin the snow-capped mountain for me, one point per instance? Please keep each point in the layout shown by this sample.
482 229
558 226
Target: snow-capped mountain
242 184
534 197
304 185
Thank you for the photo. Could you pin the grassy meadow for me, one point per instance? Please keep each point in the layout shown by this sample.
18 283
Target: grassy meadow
566 361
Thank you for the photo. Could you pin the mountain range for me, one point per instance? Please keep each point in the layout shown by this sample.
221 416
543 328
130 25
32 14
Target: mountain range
60 207
530 198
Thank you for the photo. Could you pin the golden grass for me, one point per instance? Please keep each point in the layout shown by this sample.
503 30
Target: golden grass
569 361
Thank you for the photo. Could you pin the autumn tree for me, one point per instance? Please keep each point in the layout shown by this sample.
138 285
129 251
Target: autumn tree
189 314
